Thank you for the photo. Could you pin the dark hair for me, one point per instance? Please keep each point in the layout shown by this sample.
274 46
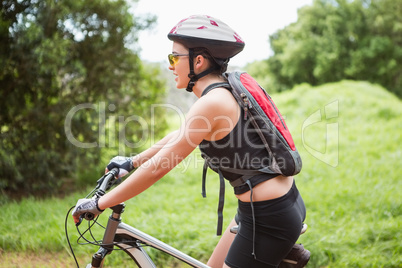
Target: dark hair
220 65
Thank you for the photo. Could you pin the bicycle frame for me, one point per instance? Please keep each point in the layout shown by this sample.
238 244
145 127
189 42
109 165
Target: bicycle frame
131 240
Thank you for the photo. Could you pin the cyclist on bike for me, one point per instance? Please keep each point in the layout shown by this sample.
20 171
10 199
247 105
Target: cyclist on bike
271 220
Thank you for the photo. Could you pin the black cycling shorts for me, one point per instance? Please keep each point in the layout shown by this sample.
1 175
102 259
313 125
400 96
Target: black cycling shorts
278 223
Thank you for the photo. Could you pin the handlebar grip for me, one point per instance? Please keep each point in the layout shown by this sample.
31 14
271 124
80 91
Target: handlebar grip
115 171
88 216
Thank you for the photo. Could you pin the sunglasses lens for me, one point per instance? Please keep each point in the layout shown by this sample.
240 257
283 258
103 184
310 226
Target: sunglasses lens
172 59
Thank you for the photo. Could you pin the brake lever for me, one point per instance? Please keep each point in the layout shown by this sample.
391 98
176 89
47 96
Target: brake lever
87 215
80 220
116 180
100 181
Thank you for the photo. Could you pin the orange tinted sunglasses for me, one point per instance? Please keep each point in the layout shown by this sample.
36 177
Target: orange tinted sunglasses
174 58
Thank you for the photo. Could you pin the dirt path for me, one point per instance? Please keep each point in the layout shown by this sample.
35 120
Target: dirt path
55 260
43 260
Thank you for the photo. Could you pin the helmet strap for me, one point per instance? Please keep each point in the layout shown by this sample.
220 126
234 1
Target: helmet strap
191 75
194 77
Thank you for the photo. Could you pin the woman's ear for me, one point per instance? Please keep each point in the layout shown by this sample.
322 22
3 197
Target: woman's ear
200 62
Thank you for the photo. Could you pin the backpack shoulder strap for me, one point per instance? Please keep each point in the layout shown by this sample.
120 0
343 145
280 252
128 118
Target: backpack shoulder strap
216 85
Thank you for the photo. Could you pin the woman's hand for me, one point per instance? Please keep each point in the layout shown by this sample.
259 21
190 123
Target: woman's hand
124 164
84 206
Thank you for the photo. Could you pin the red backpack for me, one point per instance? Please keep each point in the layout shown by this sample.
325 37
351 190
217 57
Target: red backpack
269 123
259 107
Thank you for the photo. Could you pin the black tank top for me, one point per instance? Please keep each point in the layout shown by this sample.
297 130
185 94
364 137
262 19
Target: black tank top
243 149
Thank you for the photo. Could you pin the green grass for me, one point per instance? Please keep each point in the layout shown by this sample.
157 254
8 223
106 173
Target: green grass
352 190
349 137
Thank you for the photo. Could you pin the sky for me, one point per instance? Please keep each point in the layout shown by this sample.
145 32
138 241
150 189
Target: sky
253 20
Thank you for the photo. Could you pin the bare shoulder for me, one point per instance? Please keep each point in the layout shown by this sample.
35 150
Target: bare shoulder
218 101
214 114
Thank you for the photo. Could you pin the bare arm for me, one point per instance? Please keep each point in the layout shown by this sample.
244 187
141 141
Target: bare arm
144 156
156 162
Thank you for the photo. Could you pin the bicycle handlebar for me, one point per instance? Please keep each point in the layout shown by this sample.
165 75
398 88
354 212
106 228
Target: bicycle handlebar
106 181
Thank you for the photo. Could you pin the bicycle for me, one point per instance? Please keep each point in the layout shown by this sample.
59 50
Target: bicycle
131 240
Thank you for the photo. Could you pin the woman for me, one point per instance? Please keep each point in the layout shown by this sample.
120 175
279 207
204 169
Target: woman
271 211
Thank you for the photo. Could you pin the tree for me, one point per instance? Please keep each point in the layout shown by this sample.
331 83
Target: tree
379 54
57 55
334 40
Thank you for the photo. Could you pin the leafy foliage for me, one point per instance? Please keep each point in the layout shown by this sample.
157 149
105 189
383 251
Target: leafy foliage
334 40
56 56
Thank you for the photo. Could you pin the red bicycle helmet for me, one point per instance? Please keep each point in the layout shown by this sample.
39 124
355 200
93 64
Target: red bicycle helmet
205 31
202 31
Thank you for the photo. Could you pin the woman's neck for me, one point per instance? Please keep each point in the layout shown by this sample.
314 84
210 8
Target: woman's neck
204 82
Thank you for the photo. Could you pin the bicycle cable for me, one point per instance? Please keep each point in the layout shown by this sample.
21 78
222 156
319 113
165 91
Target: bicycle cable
95 242
68 239
99 243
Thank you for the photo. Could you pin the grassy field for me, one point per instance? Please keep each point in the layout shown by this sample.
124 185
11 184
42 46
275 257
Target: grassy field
349 136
